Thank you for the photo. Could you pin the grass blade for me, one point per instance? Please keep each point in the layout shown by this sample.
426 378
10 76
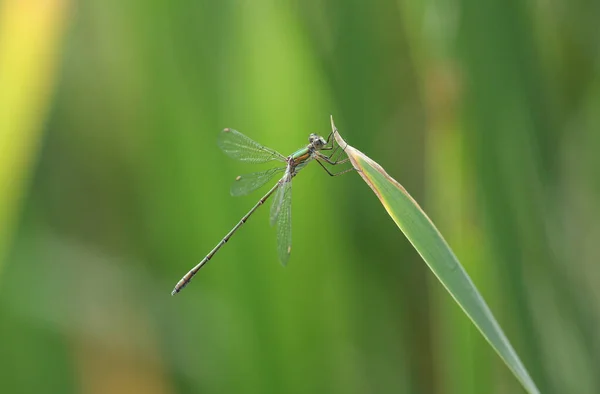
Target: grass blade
429 243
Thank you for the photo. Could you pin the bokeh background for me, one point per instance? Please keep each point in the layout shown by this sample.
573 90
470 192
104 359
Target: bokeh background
112 187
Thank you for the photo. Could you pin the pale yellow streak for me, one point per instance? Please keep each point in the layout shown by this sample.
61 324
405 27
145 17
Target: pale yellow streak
30 37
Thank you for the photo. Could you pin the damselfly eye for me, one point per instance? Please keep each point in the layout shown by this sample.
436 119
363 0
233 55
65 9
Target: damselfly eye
312 137
317 141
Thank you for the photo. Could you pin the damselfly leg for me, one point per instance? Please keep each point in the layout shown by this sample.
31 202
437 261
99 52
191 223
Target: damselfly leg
329 159
333 163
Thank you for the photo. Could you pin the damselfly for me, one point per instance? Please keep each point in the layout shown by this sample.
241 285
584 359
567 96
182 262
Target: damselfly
240 147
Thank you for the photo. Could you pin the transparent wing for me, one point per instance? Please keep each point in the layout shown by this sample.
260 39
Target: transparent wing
284 223
245 184
240 147
278 198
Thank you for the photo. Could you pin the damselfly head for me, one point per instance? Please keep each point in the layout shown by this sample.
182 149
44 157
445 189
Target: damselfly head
317 141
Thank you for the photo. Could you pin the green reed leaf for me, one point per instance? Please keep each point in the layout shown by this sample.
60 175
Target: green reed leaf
429 243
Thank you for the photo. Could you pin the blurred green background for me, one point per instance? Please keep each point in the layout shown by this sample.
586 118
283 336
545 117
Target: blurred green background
112 187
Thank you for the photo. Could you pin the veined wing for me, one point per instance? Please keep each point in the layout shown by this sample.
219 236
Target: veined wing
245 184
281 213
240 147
286 182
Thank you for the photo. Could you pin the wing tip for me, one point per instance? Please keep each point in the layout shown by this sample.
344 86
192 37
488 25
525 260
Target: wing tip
285 257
